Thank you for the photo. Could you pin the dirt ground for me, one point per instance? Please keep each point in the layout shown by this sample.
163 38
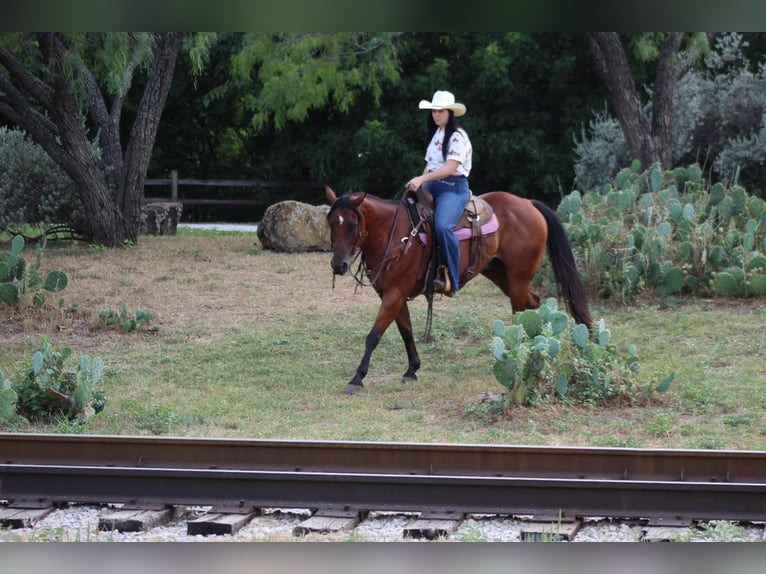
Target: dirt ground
190 284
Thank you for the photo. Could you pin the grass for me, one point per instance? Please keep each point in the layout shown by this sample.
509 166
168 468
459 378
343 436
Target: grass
252 343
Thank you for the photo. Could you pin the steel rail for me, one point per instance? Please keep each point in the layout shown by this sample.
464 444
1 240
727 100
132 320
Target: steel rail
624 483
385 457
393 492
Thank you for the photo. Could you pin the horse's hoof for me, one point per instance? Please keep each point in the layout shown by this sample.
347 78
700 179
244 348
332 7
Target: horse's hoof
353 389
406 380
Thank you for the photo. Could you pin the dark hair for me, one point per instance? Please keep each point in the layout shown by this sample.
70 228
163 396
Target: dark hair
449 129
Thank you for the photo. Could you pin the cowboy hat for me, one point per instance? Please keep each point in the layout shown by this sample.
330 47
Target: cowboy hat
443 100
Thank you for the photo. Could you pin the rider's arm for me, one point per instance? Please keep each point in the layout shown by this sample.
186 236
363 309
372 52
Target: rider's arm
447 170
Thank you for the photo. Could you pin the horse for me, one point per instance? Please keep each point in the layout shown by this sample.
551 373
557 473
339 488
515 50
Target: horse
394 260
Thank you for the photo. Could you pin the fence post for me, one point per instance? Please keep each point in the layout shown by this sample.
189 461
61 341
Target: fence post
173 185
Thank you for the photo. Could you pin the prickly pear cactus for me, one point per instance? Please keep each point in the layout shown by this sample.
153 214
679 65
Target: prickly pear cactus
17 278
668 233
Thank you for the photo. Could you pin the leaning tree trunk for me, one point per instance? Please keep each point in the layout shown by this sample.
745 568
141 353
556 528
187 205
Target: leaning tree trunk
74 154
130 187
613 67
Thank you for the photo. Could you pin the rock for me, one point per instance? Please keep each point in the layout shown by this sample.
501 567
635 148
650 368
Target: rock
292 226
160 218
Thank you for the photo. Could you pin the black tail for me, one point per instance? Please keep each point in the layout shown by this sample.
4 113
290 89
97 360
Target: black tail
564 267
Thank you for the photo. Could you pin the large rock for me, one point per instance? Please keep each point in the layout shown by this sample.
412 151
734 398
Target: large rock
160 218
292 227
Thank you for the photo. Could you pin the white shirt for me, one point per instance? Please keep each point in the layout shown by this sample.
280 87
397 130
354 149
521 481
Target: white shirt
459 149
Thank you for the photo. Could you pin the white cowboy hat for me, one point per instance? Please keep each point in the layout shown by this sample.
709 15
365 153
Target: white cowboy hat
443 100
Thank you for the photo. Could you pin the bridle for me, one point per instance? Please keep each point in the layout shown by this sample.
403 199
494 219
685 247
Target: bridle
390 255
356 252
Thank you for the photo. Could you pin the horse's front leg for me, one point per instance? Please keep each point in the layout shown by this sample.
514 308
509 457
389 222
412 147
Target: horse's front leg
405 330
390 308
355 385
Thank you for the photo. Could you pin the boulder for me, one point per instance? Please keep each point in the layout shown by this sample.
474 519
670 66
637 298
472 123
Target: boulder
160 218
292 226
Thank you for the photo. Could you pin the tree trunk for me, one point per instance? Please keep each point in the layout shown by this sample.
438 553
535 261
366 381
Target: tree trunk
73 150
130 187
649 143
111 190
613 67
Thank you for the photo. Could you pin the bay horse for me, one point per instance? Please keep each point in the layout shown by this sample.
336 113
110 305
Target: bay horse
394 261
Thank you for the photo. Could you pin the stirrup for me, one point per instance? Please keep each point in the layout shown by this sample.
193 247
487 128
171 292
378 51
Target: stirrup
442 284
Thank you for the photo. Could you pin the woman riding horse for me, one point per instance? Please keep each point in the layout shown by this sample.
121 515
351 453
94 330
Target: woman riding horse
445 177
394 261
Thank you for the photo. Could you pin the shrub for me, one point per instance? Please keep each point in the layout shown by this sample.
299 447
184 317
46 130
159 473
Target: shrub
127 321
33 188
7 402
719 121
600 152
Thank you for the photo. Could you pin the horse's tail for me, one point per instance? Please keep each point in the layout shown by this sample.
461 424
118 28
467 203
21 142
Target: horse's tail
564 267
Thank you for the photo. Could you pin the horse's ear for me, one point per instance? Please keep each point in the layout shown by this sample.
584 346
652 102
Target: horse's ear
330 194
357 201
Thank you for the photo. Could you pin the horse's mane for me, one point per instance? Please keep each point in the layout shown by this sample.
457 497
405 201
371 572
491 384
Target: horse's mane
345 200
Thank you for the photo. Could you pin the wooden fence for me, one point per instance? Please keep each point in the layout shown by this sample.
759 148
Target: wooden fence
174 182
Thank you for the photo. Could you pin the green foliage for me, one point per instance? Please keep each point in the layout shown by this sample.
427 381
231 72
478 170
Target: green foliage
302 72
668 233
377 140
45 391
544 355
127 321
33 188
17 279
719 113
7 401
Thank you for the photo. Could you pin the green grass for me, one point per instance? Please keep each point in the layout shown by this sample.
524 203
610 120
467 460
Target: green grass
281 371
286 381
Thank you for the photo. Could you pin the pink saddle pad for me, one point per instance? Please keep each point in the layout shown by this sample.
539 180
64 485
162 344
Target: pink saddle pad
466 232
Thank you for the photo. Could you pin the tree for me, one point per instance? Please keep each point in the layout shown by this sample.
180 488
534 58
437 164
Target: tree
648 140
57 86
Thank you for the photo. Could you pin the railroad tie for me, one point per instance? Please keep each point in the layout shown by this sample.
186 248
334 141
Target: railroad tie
136 517
23 513
222 520
557 528
666 529
329 519
433 525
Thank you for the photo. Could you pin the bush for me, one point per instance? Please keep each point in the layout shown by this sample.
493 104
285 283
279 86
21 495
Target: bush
33 188
719 121
7 402
128 322
600 152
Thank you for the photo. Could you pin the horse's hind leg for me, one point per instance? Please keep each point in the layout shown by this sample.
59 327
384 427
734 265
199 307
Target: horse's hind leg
516 288
404 324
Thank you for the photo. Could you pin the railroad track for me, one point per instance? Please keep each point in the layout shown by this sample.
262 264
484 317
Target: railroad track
341 481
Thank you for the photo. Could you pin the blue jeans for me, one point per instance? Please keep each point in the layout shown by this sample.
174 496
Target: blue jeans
450 198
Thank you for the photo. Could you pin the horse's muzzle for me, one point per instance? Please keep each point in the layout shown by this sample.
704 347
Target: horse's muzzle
340 267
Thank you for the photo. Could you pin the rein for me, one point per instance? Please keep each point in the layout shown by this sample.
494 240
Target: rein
389 257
